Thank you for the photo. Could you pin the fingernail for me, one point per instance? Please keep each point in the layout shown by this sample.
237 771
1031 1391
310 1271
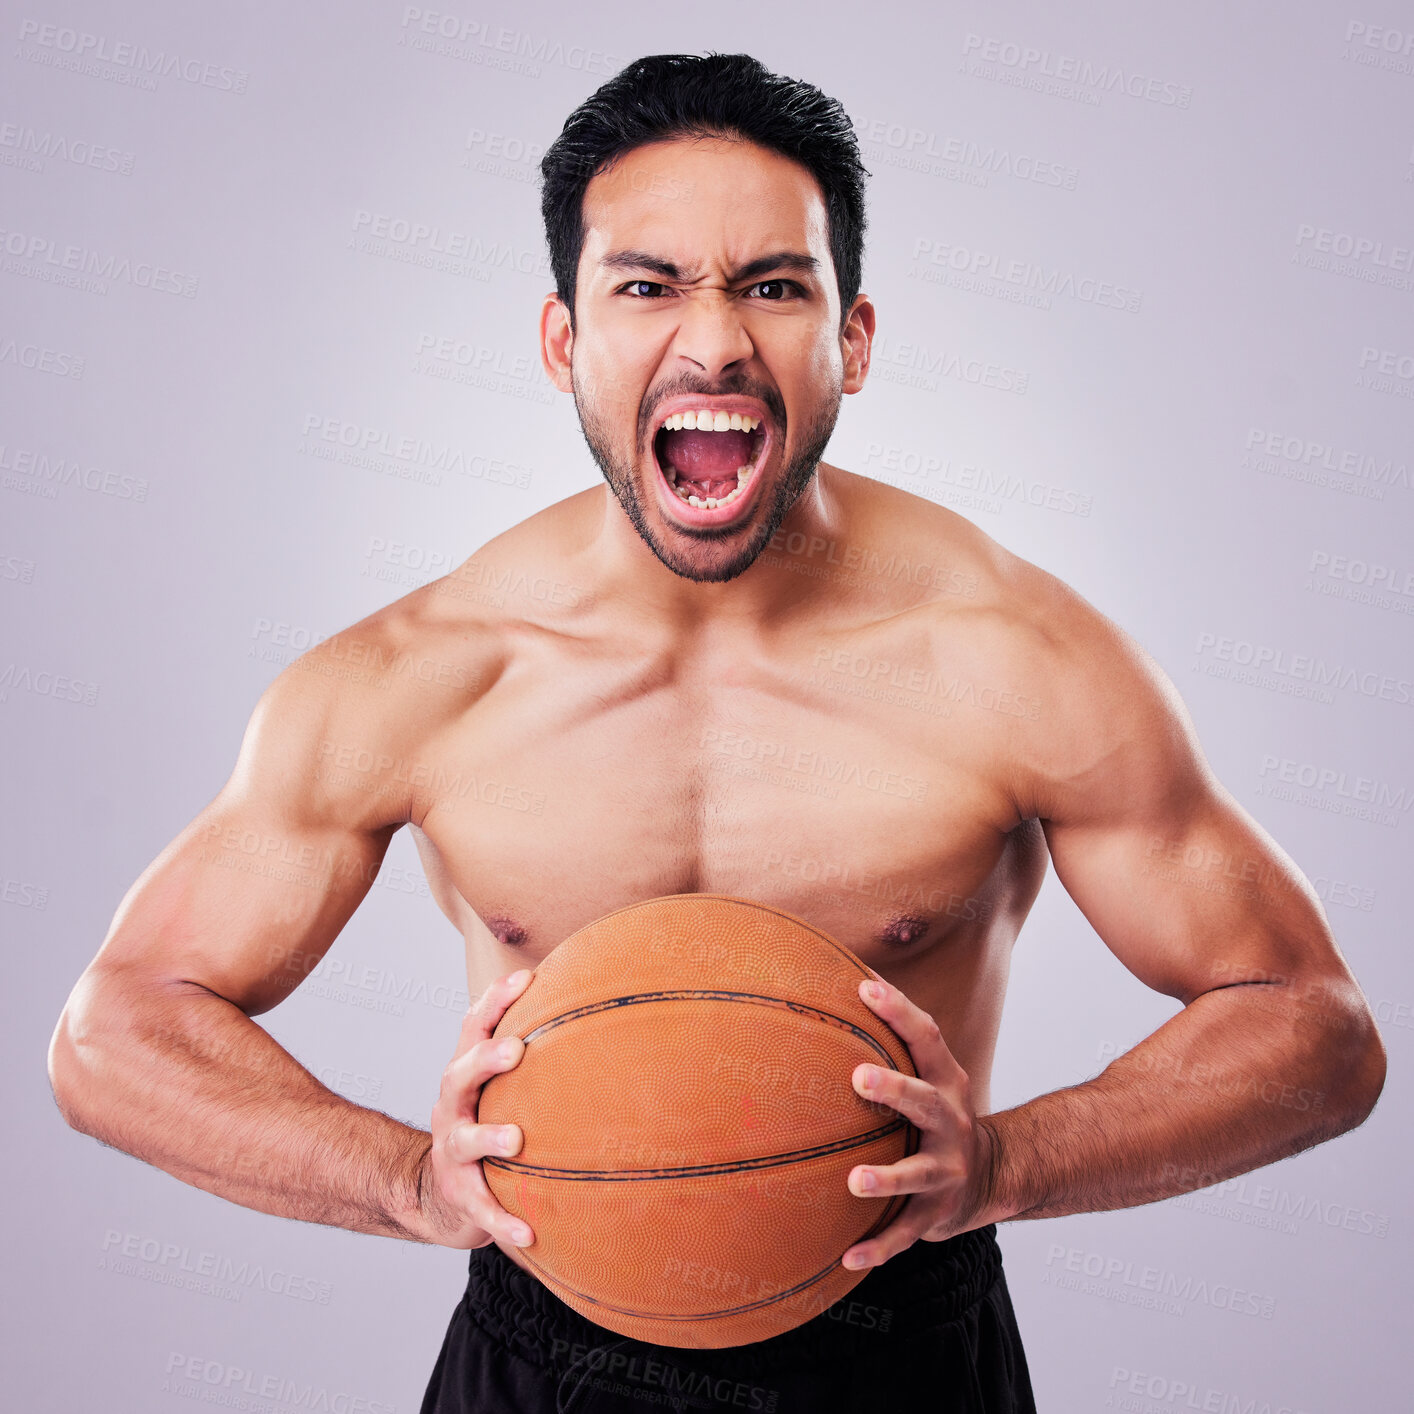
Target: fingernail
517 979
867 1183
522 1236
873 991
508 1049
869 1079
506 1140
854 1261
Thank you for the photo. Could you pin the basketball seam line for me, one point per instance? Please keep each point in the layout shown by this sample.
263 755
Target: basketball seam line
702 1315
712 994
697 1170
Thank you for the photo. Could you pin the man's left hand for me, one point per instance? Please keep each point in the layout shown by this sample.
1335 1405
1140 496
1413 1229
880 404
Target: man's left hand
949 1177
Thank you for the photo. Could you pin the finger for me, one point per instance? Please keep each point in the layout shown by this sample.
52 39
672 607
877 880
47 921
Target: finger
917 1173
463 1078
486 1011
900 1234
468 1143
918 1100
914 1027
466 1183
490 1006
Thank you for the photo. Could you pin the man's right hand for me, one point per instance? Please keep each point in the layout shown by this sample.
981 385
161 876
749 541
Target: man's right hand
458 1209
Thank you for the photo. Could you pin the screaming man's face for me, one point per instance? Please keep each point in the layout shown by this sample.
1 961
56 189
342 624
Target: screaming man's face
707 361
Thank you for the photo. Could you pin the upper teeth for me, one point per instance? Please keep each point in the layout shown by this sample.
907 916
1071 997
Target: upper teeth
705 420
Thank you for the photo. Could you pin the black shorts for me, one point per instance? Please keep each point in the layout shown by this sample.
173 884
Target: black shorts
931 1330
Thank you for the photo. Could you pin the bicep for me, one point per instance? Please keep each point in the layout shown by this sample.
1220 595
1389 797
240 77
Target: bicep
243 903
1181 883
251 895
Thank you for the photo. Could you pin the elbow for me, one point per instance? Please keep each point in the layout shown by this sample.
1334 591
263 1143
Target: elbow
67 1081
1360 1078
75 1059
61 1065
1376 1066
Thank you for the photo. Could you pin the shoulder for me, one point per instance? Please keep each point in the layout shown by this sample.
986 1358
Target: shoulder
1113 735
953 564
439 647
339 731
358 713
899 548
1092 712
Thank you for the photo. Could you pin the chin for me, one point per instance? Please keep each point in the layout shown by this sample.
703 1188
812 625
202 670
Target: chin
704 560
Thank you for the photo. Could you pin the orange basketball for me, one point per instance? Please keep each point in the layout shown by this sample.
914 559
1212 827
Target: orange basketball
690 1120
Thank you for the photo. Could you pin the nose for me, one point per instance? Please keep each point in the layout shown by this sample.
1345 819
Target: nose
710 333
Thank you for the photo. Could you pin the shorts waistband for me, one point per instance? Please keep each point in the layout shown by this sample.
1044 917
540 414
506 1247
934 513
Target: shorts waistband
926 1285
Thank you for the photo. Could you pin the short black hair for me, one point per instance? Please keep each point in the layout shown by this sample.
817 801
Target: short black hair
666 96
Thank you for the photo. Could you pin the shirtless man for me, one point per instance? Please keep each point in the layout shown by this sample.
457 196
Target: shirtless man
814 691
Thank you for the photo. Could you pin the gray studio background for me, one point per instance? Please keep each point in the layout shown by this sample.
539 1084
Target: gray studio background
205 467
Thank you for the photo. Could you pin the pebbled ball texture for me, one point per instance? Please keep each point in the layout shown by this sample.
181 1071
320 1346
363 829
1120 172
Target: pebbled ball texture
689 1118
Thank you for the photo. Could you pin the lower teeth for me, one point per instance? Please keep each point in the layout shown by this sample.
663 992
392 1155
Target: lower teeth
710 502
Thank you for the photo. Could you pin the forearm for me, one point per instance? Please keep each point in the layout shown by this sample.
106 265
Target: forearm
184 1080
1243 1076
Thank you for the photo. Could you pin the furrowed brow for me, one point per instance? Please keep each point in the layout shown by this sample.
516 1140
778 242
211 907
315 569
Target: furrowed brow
795 260
642 260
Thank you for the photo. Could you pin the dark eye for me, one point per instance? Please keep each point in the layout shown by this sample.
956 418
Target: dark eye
783 288
643 289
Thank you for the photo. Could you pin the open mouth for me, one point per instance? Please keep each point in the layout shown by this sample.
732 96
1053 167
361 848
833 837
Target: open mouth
709 457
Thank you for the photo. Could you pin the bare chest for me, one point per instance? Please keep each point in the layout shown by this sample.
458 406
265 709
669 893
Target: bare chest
884 821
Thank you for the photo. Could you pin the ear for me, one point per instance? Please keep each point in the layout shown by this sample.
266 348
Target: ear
855 342
556 341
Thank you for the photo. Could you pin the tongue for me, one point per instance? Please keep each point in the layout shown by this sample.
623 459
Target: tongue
708 459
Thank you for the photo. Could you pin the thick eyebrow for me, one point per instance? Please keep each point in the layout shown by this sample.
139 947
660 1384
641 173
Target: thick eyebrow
763 265
795 260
